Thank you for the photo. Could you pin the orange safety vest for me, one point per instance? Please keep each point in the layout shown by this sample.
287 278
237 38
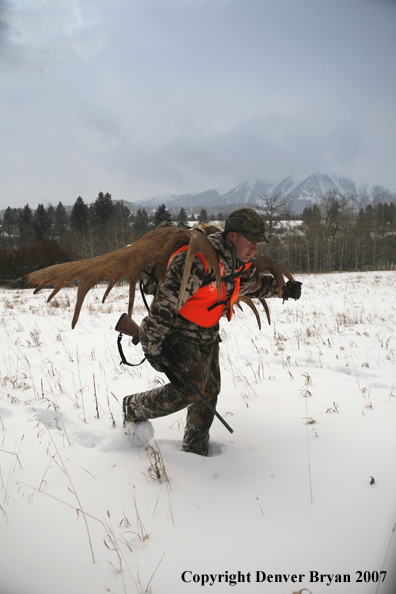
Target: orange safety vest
203 308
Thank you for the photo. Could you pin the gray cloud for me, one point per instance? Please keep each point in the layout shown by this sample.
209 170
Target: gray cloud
137 97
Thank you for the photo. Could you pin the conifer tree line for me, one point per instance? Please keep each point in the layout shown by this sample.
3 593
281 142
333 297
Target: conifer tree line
31 239
333 234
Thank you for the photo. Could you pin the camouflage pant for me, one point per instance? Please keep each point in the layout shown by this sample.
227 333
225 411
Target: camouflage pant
200 364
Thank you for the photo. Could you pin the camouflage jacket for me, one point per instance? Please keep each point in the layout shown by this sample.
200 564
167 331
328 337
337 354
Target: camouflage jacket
163 319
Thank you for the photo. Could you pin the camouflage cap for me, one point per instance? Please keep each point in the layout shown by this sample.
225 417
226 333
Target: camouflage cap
248 222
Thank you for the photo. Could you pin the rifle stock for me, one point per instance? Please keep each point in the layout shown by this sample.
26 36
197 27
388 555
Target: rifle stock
128 327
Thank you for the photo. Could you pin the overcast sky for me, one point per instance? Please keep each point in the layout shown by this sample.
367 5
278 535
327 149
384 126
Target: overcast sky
143 97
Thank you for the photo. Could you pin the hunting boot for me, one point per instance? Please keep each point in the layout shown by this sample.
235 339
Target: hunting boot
138 428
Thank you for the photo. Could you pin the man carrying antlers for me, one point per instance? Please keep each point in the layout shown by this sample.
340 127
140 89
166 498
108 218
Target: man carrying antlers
190 335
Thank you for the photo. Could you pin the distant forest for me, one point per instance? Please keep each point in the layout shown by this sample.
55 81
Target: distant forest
335 234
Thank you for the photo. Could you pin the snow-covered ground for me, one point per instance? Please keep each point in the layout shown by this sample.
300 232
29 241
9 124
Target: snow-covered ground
304 487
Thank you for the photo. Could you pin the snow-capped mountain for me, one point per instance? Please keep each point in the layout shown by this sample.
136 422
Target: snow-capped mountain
203 199
380 193
167 199
318 184
247 192
286 185
302 193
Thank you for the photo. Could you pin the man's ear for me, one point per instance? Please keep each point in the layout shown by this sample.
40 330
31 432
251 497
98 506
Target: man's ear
232 236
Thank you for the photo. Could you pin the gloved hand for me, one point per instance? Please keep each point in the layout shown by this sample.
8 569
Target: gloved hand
158 361
291 290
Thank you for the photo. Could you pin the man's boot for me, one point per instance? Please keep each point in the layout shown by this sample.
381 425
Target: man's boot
138 429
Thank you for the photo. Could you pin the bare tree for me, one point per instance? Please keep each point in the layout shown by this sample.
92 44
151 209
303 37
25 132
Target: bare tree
337 215
274 206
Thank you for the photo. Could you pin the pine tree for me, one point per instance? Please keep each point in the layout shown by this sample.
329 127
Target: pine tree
79 216
41 224
60 222
203 216
51 214
121 212
182 218
140 224
10 218
161 215
25 226
103 209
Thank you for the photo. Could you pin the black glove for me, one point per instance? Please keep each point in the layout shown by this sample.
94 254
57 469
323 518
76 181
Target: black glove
158 361
291 290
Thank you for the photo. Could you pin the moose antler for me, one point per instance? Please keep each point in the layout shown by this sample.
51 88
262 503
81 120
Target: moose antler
265 264
155 246
249 303
278 272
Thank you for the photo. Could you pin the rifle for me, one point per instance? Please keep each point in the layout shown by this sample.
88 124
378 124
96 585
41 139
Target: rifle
129 327
174 374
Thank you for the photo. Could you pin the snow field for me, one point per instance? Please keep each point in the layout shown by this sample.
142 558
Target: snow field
311 399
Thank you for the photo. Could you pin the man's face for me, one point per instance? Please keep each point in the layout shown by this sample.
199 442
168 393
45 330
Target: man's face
245 249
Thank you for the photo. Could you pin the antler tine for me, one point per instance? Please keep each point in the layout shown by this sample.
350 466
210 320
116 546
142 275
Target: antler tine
264 263
83 287
55 291
42 286
250 303
199 244
277 271
266 309
80 300
110 286
58 275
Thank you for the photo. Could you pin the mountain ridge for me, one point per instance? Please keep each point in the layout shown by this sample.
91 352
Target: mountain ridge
302 193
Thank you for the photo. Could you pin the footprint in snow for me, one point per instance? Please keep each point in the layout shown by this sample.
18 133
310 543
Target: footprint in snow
50 418
111 439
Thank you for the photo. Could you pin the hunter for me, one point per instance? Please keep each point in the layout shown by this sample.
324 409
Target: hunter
191 336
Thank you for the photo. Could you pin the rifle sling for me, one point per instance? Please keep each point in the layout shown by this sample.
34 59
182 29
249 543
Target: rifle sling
123 359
